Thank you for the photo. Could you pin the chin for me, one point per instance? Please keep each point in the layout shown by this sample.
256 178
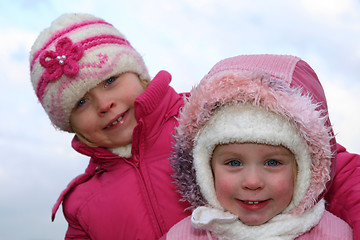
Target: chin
254 222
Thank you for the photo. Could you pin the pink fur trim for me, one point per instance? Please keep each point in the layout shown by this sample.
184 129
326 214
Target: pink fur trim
270 93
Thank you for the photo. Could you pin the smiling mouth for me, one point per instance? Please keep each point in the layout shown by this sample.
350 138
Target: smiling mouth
119 120
252 202
253 205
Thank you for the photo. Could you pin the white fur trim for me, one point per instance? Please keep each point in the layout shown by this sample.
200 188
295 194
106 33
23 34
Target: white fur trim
122 151
248 123
225 225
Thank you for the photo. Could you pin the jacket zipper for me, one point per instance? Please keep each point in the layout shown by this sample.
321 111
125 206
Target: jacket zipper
160 231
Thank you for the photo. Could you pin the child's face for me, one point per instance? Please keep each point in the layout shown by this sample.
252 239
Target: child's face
253 181
105 117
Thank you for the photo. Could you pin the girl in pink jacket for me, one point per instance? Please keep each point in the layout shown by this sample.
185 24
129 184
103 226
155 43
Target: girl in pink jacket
254 153
93 83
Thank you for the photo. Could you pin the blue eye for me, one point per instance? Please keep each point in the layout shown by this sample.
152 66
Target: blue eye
234 163
81 102
272 163
110 81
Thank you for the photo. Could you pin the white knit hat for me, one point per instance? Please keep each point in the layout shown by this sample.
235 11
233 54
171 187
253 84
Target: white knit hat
72 56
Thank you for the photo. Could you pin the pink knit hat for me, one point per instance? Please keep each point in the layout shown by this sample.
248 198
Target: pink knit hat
72 56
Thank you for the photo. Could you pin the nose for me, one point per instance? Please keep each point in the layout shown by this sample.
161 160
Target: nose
105 107
252 179
104 102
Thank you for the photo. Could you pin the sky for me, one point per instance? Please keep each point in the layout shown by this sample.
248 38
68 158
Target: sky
184 37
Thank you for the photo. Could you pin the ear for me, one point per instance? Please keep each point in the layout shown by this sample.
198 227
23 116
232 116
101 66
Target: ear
145 83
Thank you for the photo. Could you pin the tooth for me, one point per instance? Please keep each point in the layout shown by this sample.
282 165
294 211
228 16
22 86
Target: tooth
116 121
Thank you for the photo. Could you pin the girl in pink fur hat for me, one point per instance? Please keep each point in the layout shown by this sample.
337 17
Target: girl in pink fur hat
254 153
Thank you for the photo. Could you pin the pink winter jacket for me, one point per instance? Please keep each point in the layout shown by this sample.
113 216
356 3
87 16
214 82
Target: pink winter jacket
134 198
344 195
329 227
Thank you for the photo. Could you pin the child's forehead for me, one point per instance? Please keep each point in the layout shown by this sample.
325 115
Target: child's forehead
245 147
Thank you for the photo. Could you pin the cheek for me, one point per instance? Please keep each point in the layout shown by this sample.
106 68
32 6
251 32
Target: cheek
130 95
283 186
82 123
225 187
75 123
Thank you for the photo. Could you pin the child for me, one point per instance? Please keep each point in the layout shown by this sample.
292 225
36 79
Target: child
254 151
92 82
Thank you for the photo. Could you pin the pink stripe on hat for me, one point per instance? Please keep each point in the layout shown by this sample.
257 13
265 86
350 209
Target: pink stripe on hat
61 33
104 39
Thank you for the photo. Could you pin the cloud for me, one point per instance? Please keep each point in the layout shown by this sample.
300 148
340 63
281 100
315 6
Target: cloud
343 103
14 49
37 161
329 9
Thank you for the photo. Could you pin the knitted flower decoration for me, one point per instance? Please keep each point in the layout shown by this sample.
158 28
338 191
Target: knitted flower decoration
63 61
